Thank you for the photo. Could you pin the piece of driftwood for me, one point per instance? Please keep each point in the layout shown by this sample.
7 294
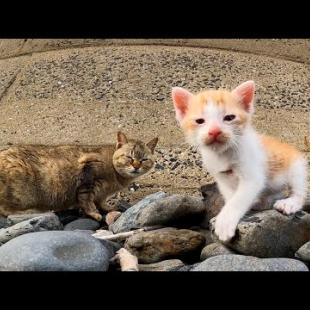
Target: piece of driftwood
124 235
127 261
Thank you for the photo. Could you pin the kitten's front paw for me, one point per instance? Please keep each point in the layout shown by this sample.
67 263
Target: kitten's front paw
225 227
288 206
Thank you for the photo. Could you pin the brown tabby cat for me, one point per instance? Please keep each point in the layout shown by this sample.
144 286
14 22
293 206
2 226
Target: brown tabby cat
58 177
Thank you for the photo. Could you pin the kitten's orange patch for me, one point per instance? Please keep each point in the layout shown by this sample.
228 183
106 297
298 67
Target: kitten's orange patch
223 99
280 155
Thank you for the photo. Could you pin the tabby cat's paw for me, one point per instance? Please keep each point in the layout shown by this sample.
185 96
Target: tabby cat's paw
96 216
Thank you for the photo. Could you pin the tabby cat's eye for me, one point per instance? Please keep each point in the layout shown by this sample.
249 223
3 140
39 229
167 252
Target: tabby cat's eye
144 159
130 158
229 117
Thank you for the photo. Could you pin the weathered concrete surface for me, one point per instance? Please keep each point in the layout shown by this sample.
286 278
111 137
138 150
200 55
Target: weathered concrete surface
293 49
9 68
18 47
83 91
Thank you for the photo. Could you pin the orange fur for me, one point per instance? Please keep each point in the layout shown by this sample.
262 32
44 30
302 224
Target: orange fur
218 123
222 98
280 155
59 177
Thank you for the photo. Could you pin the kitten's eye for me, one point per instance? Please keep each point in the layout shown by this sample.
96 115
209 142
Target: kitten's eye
144 159
200 121
229 117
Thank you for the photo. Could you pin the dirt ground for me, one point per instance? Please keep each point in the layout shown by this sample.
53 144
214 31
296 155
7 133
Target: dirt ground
83 92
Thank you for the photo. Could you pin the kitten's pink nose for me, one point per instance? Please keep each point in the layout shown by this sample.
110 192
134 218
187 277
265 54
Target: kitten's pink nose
214 132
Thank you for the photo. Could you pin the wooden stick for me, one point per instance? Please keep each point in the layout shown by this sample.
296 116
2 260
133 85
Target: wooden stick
124 235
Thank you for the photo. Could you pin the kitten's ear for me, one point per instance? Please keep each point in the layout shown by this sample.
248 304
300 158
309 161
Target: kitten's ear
245 93
121 140
180 98
151 145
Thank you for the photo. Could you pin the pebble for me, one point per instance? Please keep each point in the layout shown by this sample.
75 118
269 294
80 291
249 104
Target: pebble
303 252
249 263
54 251
82 224
166 243
275 234
165 265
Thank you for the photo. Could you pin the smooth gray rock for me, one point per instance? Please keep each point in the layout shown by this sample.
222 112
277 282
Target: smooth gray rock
110 245
48 221
3 222
187 267
214 249
54 251
214 201
166 243
165 265
127 221
123 205
68 215
17 218
206 233
172 211
303 253
89 232
270 234
306 206
82 224
249 263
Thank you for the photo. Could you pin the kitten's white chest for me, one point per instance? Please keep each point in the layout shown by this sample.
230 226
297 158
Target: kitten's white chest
215 163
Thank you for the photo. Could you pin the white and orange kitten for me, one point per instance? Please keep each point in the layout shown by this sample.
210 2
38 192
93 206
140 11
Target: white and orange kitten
242 162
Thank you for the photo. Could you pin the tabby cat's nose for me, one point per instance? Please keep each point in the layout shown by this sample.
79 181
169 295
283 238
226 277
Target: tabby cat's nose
136 164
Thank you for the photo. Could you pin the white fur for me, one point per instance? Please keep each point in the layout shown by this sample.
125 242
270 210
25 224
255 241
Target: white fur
242 188
296 178
215 118
213 111
244 154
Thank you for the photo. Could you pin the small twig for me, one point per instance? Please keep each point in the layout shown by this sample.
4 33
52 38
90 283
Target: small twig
124 235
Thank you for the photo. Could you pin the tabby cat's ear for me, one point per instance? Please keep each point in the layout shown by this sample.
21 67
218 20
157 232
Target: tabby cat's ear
151 144
121 140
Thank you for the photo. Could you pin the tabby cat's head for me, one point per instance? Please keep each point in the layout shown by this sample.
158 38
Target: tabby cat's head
133 158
